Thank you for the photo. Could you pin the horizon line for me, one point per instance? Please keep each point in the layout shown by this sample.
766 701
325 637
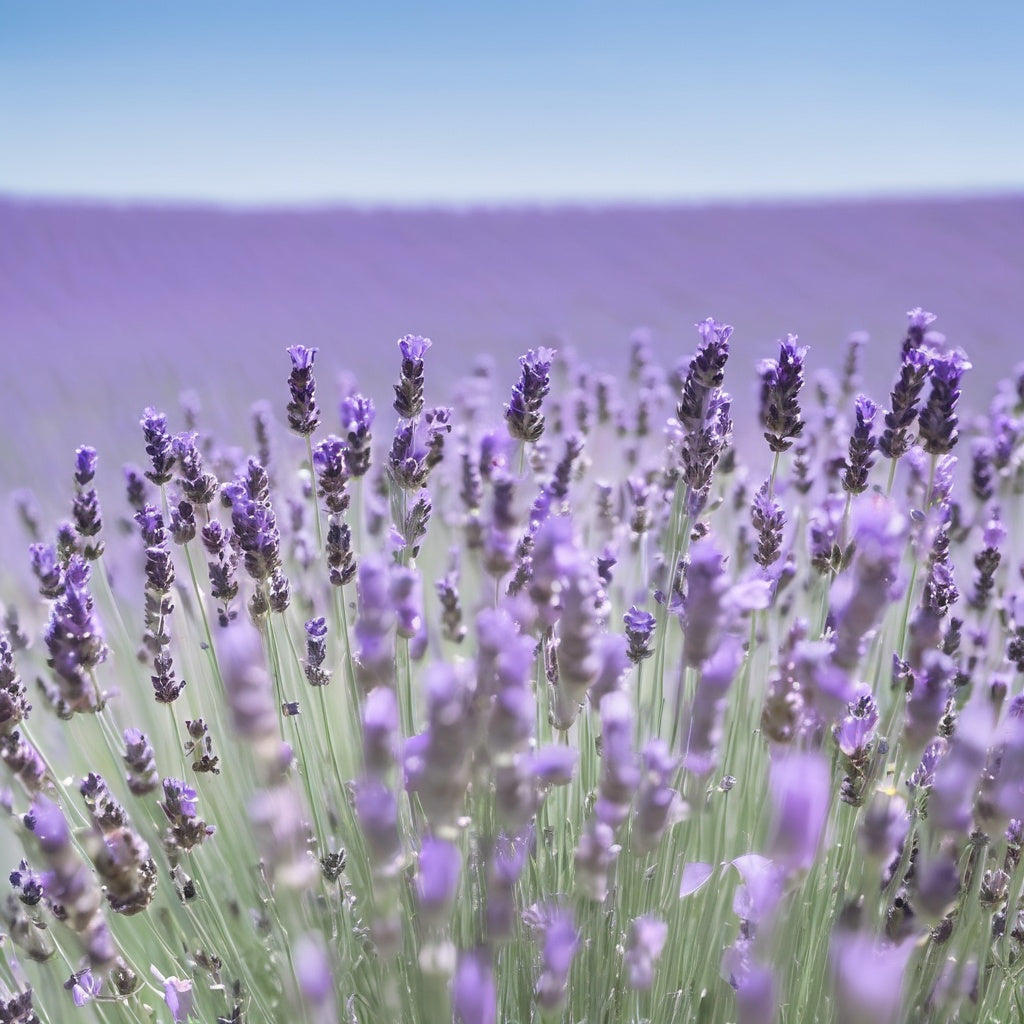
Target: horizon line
17 197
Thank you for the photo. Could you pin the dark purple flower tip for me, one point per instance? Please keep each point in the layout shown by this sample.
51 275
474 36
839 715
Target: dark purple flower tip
951 366
866 409
919 319
711 331
85 465
856 729
302 358
180 799
356 413
152 420
538 361
413 347
639 622
83 986
316 628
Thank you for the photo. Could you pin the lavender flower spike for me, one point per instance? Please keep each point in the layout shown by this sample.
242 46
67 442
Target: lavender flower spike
639 633
800 786
159 447
647 936
896 439
705 374
781 381
938 420
522 414
409 389
862 447
303 412
74 640
474 993
356 414
315 978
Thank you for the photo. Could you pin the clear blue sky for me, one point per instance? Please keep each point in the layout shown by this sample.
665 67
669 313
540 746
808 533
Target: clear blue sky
406 102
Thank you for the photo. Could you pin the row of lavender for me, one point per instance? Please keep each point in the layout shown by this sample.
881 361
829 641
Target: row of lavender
619 730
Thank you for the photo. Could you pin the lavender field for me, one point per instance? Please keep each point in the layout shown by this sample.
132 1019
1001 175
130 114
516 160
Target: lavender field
550 670
103 308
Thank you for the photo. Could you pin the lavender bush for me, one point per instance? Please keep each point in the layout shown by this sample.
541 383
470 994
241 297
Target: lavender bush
537 707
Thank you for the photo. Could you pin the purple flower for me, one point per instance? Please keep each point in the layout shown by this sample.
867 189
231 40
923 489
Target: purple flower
958 772
711 604
85 465
862 448
247 684
703 730
356 413
374 626
923 775
74 639
938 420
180 806
868 978
255 528
768 519
639 633
705 373
879 532
596 852
620 774
141 761
555 765
409 389
303 412
83 986
159 446
658 805
380 730
896 439
437 878
932 686
559 943
474 993
800 791
178 997
316 652
579 656
47 569
781 381
49 825
761 889
330 461
856 730
508 859
315 978
198 486
377 811
522 414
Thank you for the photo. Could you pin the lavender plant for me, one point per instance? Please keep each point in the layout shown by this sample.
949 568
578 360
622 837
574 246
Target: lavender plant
561 719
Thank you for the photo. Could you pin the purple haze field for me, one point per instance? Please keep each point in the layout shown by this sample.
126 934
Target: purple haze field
104 310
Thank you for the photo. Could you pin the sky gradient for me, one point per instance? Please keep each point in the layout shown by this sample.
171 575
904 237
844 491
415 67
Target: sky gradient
404 102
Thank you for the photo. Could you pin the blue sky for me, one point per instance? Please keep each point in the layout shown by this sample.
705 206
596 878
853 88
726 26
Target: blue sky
410 102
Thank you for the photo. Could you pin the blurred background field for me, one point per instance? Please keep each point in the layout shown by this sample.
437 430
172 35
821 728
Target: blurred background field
108 308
